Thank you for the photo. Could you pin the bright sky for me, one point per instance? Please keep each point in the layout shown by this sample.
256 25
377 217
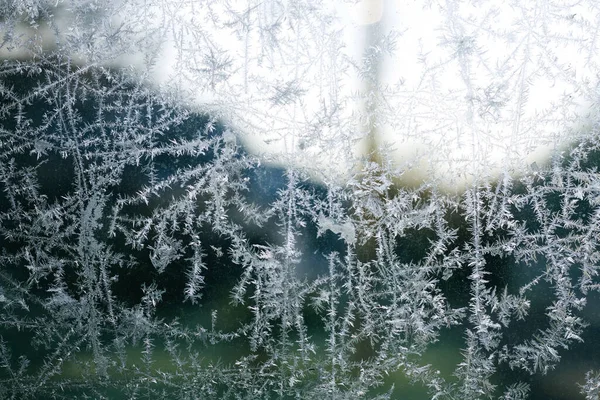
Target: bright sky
467 90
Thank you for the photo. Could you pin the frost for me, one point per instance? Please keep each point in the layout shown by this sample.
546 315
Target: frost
591 389
299 199
345 229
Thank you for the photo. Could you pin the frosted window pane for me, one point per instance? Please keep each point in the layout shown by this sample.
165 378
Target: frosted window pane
299 199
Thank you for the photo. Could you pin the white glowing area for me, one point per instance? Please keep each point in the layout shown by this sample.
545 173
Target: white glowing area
449 92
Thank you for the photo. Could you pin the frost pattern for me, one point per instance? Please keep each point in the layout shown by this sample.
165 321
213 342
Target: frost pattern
591 389
148 250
